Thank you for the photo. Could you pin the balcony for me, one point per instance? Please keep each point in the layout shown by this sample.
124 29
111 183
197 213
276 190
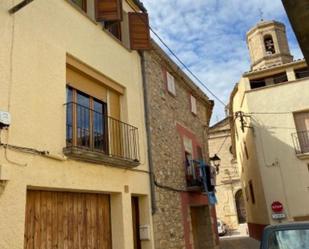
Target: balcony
301 142
194 177
94 137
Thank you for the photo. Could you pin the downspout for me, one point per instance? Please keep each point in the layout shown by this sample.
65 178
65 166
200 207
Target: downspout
148 135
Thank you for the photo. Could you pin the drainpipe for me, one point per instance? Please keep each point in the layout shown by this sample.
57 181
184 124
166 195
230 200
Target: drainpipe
148 134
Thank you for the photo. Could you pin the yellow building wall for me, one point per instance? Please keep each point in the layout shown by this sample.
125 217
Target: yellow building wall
35 43
248 168
277 173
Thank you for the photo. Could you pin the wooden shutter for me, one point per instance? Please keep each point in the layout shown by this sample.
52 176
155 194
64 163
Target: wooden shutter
170 83
139 31
193 105
108 10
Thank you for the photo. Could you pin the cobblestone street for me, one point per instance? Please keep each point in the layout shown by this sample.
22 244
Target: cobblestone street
238 243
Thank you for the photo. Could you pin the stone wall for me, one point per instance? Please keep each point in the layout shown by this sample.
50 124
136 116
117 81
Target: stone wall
228 179
166 112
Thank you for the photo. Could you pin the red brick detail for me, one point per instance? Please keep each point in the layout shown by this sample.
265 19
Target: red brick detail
256 230
187 200
214 225
193 199
184 132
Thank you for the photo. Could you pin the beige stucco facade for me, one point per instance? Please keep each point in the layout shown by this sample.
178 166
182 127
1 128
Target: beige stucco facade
268 117
36 44
228 178
265 148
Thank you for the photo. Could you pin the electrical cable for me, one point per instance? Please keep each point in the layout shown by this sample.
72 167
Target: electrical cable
187 68
169 188
267 113
181 62
220 148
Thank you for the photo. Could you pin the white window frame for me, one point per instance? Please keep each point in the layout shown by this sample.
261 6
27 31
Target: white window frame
170 81
193 104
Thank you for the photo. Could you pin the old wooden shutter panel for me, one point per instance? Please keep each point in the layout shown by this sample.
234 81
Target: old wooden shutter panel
108 10
139 31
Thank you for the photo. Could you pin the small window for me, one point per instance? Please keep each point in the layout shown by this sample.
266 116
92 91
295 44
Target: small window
257 83
170 83
246 193
81 4
302 135
114 28
269 45
193 105
251 192
86 121
280 78
246 150
302 73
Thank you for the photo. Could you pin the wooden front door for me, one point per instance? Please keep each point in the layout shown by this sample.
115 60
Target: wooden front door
201 227
136 223
63 220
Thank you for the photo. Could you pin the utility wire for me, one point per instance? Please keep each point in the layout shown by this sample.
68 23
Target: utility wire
186 67
221 146
180 61
267 113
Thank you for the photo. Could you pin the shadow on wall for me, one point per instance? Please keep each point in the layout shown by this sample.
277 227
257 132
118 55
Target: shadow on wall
282 175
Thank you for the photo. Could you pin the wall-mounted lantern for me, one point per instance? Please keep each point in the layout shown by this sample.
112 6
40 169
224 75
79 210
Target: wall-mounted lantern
215 161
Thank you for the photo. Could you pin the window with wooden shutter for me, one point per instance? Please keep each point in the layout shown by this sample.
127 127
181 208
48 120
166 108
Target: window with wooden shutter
302 128
170 83
193 105
81 4
139 31
108 10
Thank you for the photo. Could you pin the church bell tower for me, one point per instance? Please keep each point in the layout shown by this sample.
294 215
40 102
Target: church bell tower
268 45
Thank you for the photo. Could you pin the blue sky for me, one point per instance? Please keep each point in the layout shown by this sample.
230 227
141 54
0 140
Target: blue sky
210 37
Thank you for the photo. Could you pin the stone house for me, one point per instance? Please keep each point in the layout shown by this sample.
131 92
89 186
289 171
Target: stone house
178 119
270 130
73 161
230 208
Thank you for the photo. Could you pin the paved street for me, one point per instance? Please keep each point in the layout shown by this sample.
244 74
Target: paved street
239 243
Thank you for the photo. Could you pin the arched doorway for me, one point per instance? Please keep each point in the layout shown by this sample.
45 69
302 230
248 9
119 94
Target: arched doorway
240 206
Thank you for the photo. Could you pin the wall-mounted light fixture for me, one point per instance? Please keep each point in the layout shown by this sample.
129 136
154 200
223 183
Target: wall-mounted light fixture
215 161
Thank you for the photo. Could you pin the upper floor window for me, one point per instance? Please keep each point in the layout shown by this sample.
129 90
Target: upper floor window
86 121
131 28
170 83
269 44
301 138
81 4
302 73
193 104
114 28
251 192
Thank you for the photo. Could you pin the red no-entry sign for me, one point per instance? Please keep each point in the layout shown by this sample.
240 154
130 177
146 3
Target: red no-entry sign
277 207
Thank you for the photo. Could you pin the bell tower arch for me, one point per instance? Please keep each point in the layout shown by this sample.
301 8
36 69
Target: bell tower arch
268 45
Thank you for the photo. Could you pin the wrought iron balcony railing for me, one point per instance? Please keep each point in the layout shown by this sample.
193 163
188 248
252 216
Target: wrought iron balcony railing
194 176
90 130
301 142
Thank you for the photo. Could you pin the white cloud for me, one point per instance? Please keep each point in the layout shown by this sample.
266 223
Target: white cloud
210 37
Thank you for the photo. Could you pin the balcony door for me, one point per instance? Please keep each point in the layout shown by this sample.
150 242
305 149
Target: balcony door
302 127
86 121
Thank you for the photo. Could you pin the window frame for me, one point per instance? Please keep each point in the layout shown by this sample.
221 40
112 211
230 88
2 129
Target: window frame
170 83
251 190
83 6
74 110
193 104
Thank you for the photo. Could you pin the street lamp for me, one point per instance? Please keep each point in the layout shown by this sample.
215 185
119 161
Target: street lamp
215 161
